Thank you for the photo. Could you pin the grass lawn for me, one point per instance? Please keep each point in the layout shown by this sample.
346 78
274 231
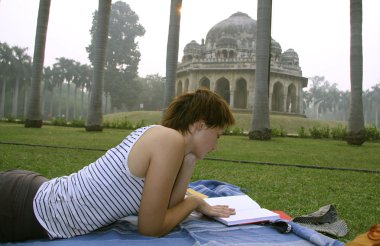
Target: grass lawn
295 190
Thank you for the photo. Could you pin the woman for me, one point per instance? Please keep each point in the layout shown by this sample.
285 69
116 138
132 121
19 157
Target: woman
146 175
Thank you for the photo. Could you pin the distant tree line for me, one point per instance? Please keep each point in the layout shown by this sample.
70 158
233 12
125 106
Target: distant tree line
323 100
66 84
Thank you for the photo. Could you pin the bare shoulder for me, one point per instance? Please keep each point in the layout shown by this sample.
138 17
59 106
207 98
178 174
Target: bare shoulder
164 135
157 143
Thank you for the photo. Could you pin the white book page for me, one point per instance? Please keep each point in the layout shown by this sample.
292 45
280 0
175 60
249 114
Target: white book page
247 210
241 202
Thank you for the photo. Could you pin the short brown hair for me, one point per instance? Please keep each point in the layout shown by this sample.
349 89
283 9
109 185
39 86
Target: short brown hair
202 104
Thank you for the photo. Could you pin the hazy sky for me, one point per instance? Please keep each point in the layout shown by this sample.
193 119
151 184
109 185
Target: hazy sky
318 30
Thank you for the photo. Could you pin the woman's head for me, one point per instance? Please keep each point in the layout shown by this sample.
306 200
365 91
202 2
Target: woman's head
201 105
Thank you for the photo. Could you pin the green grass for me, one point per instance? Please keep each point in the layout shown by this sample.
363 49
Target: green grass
294 190
243 120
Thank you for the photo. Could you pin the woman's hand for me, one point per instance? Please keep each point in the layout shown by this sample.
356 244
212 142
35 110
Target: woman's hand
215 211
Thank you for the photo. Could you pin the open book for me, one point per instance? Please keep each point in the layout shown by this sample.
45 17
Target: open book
247 210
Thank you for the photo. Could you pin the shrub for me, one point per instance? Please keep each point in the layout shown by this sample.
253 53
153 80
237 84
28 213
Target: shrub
59 122
316 132
372 133
77 123
325 131
339 132
279 132
123 124
234 131
11 119
139 124
302 132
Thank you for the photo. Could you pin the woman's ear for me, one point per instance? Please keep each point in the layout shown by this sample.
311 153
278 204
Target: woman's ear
199 125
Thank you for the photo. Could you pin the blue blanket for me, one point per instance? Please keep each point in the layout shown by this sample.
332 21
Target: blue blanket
197 230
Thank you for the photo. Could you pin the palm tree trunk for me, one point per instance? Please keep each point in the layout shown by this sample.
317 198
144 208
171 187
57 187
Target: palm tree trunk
95 116
172 50
2 102
82 103
75 103
15 98
43 101
68 100
34 116
356 130
51 109
260 127
60 100
26 99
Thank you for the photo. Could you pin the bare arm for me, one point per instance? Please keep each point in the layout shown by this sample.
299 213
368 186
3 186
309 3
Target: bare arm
166 157
163 205
182 180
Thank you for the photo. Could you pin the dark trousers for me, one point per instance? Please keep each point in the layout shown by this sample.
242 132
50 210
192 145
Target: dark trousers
17 219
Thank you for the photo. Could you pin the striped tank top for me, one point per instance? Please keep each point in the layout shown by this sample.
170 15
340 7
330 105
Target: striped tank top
96 196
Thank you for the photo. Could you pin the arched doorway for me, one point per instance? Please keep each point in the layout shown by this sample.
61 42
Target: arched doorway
240 95
223 89
278 97
205 83
291 100
186 86
179 88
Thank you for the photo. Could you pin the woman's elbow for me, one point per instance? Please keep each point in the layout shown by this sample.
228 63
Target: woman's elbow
151 232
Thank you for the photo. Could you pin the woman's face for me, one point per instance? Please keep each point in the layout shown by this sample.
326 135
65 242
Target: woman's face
206 140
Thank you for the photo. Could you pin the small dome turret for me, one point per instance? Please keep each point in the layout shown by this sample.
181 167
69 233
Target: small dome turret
275 48
290 57
192 48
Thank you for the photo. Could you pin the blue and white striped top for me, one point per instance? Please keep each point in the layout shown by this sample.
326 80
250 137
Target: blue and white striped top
96 196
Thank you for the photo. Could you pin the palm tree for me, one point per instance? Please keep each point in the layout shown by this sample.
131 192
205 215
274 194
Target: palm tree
19 61
58 78
34 116
27 79
172 50
356 131
95 115
260 127
77 83
48 87
85 79
5 66
67 66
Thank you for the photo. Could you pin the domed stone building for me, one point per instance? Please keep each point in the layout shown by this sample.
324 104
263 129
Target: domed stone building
226 63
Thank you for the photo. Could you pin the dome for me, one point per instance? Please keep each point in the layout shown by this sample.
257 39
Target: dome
238 26
226 42
192 48
275 47
235 37
290 57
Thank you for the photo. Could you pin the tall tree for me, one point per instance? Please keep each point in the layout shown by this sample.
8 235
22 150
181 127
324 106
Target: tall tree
260 127
5 67
48 87
356 130
20 60
77 84
34 115
67 69
95 114
172 50
85 80
58 78
123 55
